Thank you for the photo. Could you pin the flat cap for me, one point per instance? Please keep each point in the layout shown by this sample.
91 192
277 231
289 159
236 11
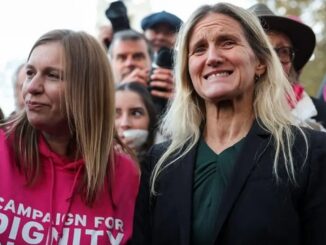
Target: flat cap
163 17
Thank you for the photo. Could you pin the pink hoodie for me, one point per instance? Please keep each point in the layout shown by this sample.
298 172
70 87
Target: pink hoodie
26 213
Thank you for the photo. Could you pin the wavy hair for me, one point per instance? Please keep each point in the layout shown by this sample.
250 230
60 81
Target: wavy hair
186 114
90 110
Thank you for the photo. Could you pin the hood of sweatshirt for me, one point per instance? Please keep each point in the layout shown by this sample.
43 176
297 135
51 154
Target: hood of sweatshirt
59 161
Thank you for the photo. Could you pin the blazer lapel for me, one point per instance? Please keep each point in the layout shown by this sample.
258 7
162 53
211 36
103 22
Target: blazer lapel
181 179
254 145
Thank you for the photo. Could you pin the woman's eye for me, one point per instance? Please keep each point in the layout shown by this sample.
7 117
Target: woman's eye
54 76
117 113
137 113
228 44
29 73
199 49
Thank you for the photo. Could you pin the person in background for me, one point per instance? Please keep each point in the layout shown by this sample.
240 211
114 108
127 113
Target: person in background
2 116
161 29
58 162
131 58
322 90
18 81
294 42
118 20
322 93
105 35
238 169
117 14
136 117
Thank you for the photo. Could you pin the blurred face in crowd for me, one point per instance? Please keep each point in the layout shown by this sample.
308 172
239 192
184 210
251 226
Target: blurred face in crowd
21 76
284 49
105 35
161 35
128 55
44 87
131 112
222 65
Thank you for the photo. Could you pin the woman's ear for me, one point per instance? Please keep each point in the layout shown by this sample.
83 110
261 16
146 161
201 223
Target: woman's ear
260 69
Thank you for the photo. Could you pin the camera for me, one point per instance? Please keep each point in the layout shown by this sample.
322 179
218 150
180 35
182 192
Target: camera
117 14
163 59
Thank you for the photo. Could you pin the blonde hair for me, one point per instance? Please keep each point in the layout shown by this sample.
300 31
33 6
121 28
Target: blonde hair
89 105
186 114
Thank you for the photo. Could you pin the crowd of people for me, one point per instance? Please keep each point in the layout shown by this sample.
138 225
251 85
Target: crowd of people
185 133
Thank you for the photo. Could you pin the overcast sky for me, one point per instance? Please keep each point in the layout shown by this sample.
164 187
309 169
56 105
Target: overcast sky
23 21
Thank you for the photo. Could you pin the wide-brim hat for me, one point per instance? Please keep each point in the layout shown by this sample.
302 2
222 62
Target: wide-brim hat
302 36
162 17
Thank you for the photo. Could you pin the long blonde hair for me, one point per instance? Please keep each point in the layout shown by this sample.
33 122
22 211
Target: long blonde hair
186 113
89 105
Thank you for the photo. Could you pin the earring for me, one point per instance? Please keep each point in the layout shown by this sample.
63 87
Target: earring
257 77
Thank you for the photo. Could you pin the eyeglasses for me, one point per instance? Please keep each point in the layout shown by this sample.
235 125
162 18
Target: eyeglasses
285 54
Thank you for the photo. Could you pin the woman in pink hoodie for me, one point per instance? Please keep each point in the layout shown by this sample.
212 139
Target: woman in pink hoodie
61 179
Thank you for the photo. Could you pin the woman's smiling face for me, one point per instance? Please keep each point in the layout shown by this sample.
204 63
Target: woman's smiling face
222 65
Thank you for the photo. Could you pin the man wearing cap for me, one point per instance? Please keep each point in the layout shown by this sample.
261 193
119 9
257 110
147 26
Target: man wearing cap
294 43
161 29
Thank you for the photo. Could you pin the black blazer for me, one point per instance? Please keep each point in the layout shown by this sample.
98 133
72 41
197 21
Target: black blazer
254 209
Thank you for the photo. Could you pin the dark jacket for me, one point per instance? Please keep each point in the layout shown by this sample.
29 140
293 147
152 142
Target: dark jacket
255 209
321 111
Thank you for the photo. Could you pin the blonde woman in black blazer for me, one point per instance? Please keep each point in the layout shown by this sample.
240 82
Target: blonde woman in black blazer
231 112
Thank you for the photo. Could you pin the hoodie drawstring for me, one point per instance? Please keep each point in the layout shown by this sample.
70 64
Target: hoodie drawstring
51 198
69 200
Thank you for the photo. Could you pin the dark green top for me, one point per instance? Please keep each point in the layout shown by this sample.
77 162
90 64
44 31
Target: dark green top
211 175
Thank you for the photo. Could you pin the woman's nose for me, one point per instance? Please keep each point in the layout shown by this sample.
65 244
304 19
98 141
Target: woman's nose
125 121
35 85
214 56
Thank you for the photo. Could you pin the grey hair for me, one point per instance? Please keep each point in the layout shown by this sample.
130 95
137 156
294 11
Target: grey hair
129 35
